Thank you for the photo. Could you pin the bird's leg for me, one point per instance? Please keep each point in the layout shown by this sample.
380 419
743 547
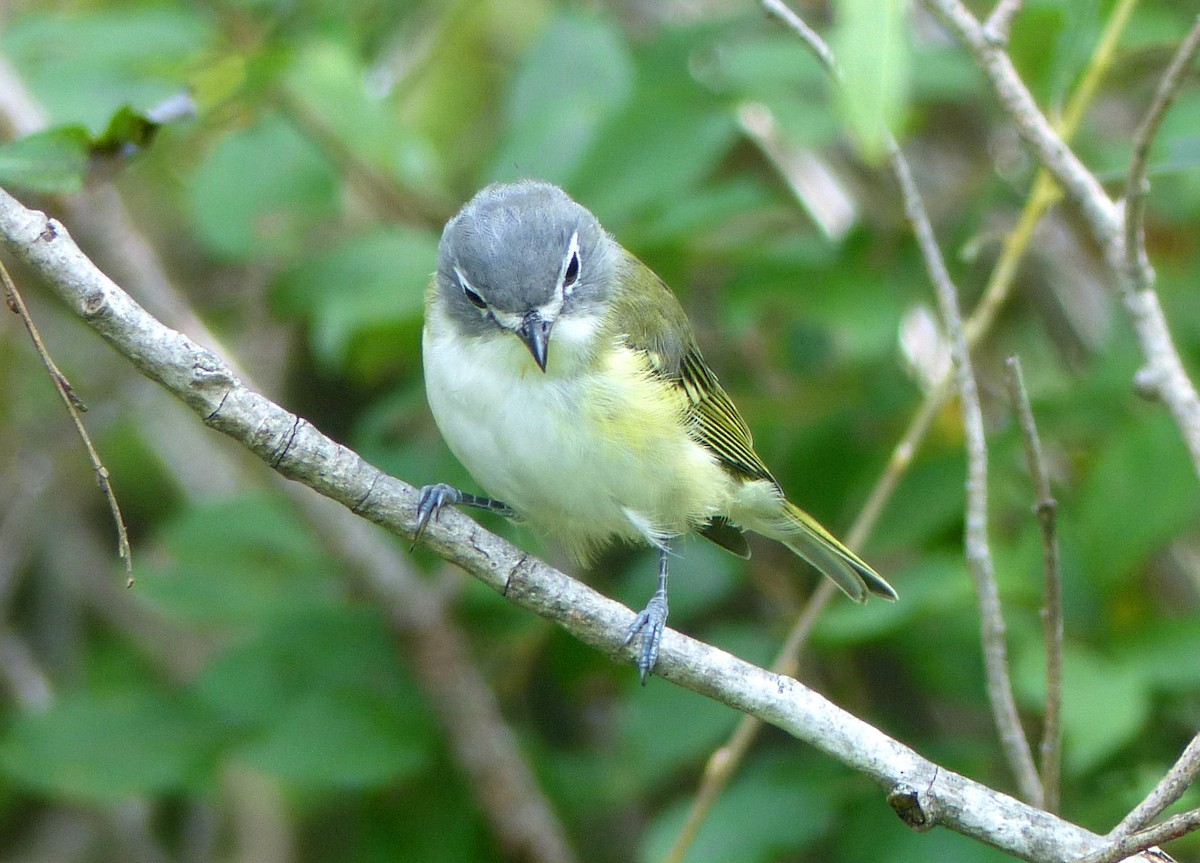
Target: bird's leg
435 497
651 620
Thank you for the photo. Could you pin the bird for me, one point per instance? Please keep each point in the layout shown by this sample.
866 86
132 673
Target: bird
565 377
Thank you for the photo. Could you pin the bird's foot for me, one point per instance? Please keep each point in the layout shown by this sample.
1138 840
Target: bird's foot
435 497
649 623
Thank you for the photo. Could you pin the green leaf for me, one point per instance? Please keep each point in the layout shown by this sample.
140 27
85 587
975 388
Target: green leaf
84 65
321 700
776 70
667 138
935 586
50 162
1143 469
104 747
1164 656
327 739
327 83
366 282
262 192
663 728
772 809
1105 705
237 562
576 75
57 160
127 131
1106 702
871 44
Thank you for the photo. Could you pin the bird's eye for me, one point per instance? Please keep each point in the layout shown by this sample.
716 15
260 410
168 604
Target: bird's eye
474 298
571 274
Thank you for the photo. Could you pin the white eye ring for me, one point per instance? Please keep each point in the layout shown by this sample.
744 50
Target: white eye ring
572 264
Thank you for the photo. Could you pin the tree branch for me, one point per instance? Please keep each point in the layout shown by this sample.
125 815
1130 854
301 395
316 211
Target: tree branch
1164 373
1172 828
999 23
979 555
1046 509
1169 789
297 450
74 406
1081 185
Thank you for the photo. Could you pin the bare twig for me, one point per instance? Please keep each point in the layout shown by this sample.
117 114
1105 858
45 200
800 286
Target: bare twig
1045 191
979 555
1169 789
297 450
999 23
782 12
1164 373
1080 183
722 764
1046 508
1004 709
1141 275
1172 828
74 406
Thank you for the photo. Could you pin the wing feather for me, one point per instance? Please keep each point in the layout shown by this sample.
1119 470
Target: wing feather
654 323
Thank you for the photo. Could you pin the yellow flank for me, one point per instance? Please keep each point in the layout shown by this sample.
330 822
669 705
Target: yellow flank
628 405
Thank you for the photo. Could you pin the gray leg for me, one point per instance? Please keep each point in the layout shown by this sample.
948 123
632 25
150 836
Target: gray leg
651 619
434 497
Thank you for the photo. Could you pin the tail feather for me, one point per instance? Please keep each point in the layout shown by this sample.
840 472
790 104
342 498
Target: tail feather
804 535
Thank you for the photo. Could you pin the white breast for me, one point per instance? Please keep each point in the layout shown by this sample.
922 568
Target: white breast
585 455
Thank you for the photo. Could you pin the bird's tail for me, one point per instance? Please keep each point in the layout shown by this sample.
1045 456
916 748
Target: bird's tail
804 535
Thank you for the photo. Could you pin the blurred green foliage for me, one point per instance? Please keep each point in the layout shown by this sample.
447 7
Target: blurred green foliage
299 211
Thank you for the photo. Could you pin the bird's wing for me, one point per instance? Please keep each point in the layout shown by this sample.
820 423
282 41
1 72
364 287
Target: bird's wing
653 323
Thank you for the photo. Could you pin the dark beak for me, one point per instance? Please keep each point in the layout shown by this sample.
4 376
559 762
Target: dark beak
535 333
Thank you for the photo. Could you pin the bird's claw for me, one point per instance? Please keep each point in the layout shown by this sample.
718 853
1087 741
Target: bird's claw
649 623
433 499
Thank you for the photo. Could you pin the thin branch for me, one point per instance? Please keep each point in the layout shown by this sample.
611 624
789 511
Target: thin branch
999 23
782 12
723 762
1046 508
1169 789
1141 275
1012 736
297 450
979 555
1164 373
1143 840
1046 191
1080 183
74 406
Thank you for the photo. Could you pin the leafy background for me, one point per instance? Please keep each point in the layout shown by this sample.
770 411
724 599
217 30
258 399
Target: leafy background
246 701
